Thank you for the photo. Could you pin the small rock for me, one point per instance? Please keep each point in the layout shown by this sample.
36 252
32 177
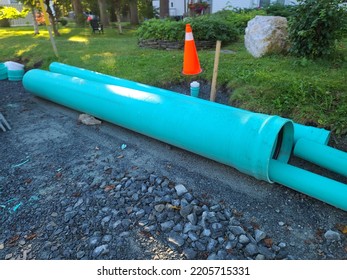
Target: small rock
107 238
243 239
260 257
180 190
140 213
129 210
69 215
206 232
94 240
211 245
332 236
126 223
2 246
166 226
150 228
178 227
159 207
88 120
100 250
237 230
193 236
189 227
105 220
213 256
188 197
117 224
259 235
80 254
78 203
186 210
217 230
251 250
199 246
192 218
176 239
189 253
281 224
215 208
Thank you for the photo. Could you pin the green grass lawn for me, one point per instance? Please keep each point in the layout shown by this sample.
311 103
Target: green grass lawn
309 92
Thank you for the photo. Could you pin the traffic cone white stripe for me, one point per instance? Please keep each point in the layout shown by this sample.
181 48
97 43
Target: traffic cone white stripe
189 36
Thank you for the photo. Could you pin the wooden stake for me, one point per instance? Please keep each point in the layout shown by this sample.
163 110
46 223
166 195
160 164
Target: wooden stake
215 72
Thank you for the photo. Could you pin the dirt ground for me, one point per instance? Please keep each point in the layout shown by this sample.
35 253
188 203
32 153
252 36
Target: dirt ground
50 136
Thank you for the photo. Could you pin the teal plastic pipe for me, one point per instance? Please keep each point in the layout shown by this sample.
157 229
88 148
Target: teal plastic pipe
244 140
327 157
318 135
319 187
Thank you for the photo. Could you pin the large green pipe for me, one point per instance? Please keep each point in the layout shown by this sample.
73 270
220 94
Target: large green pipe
322 155
318 135
244 140
319 187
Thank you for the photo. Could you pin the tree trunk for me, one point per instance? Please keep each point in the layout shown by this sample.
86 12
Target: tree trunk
103 13
164 8
36 26
134 17
52 19
79 17
119 22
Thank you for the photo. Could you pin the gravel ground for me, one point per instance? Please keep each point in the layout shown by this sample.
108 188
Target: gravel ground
71 191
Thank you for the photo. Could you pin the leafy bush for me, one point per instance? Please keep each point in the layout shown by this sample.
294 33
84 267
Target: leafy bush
280 10
315 26
12 13
63 21
239 18
207 28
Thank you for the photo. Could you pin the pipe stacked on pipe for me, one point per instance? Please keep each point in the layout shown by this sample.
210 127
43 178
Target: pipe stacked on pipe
256 144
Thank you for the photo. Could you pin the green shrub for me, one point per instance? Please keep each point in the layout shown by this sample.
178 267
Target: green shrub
207 28
63 21
315 26
159 29
239 18
280 10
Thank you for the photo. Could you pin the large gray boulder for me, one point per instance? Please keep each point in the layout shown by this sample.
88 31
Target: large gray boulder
266 35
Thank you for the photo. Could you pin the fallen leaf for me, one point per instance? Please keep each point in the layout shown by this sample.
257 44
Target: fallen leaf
342 228
28 181
268 242
108 170
13 239
76 194
109 187
58 175
31 236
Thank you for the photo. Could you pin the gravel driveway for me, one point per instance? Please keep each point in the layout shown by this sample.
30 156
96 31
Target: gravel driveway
71 191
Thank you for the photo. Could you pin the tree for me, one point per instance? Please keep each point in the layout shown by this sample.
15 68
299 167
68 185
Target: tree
164 8
134 16
104 16
7 13
78 10
31 4
117 5
52 18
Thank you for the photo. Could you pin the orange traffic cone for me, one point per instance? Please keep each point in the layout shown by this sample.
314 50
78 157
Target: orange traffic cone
191 65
